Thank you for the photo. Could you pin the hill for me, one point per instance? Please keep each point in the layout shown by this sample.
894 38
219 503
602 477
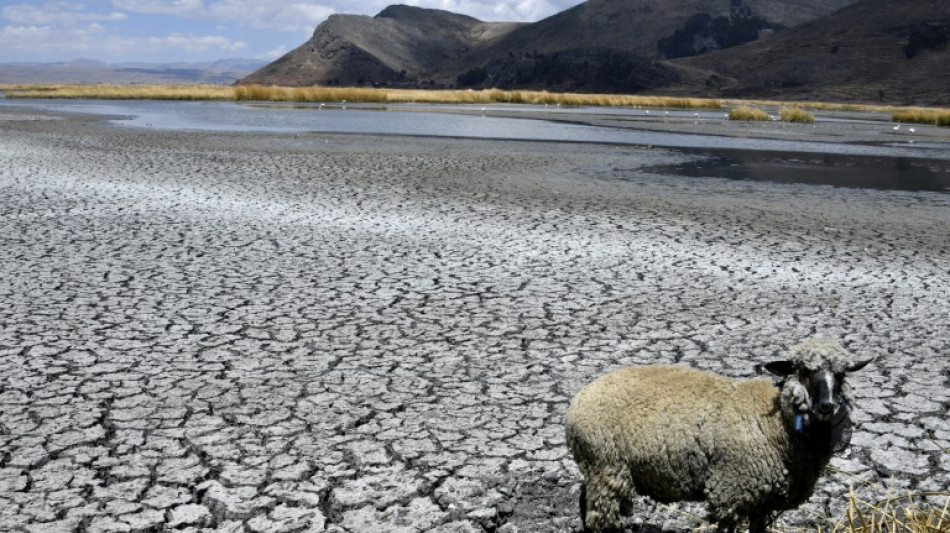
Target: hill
841 50
405 44
399 45
872 50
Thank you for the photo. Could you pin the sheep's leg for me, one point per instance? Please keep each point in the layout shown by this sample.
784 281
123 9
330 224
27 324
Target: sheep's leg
605 491
758 523
583 504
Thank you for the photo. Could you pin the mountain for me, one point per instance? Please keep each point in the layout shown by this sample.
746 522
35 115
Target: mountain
840 50
400 43
225 71
652 28
404 44
871 50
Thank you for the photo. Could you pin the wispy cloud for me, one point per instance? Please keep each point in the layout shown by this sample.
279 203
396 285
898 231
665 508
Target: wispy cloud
178 8
280 16
55 13
274 54
50 43
289 16
503 10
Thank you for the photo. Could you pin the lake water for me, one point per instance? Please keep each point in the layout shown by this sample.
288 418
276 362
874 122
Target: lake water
902 166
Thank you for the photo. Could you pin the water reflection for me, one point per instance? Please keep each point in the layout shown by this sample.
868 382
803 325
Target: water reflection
839 170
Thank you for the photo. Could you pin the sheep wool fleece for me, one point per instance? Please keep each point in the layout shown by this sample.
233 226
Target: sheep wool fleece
680 434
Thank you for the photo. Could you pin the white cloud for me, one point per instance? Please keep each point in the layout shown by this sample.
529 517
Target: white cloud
55 13
499 10
198 44
181 8
280 16
46 43
275 53
289 16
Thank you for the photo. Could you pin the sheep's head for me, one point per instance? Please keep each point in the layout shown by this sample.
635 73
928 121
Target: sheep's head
814 389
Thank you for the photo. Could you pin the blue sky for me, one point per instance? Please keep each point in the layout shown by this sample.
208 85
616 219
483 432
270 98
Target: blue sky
201 30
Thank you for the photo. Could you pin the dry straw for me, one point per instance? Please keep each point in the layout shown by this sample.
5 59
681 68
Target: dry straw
123 92
742 111
747 113
916 115
911 512
350 94
797 114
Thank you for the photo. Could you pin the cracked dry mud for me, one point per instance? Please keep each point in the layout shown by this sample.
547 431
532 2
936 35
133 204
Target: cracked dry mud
213 332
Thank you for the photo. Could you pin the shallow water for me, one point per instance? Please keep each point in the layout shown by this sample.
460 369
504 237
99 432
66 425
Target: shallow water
839 170
895 165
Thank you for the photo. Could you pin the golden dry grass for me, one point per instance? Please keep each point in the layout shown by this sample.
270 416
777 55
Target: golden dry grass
896 514
488 96
747 113
350 94
917 115
891 511
936 116
796 114
124 92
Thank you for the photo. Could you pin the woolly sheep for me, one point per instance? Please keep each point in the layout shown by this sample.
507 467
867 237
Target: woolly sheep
749 448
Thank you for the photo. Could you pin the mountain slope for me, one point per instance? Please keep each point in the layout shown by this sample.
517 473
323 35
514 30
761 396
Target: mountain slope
637 26
405 43
400 43
871 50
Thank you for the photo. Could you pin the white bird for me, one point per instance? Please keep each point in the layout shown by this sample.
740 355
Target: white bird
897 127
912 130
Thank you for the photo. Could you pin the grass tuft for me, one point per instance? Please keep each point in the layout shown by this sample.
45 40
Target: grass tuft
124 92
351 94
744 110
797 114
747 113
916 115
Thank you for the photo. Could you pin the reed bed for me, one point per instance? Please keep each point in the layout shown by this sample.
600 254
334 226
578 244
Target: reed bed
741 110
916 115
488 96
796 114
125 92
352 94
747 113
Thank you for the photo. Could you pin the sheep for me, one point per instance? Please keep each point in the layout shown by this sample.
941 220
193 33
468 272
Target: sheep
749 448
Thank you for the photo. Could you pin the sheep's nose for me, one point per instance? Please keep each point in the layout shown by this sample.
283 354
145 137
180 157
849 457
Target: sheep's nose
825 408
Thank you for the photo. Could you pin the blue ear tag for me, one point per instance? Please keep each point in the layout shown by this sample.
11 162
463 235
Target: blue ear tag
799 419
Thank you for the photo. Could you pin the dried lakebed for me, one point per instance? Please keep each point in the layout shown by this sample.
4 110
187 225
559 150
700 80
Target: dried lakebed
300 332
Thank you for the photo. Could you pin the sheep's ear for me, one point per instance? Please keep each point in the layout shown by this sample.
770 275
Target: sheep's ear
859 365
780 368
